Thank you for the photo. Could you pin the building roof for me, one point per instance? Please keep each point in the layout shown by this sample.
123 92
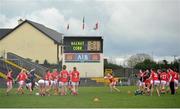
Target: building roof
52 34
85 36
4 31
82 37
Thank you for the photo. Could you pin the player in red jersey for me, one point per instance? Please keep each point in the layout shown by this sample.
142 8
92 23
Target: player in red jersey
54 82
113 82
75 80
163 78
176 80
41 85
9 82
168 80
156 82
70 87
148 86
148 83
21 80
47 81
63 80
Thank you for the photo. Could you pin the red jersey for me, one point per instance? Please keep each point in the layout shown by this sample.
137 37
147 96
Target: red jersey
48 76
172 75
168 76
9 77
176 76
154 76
55 75
111 79
75 76
164 76
142 74
64 76
22 76
147 81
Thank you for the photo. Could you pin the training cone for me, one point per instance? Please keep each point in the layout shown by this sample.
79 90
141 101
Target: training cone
96 99
129 92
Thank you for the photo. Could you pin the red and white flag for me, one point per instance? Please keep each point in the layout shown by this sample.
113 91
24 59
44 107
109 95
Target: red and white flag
96 26
83 27
68 27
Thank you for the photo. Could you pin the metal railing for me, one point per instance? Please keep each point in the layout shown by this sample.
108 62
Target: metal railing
39 69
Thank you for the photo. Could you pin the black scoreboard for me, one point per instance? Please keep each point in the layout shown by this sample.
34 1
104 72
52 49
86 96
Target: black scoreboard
83 44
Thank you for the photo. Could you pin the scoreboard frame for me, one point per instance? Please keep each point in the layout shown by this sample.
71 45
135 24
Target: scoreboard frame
81 39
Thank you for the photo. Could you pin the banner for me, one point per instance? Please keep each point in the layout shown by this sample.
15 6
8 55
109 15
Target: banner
82 57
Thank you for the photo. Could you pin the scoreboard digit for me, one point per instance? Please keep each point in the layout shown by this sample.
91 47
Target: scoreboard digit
93 46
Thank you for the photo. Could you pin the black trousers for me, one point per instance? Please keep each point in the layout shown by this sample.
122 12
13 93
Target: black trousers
33 85
171 85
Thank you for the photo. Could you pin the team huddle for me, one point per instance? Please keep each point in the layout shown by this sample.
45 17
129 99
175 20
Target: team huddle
163 81
60 82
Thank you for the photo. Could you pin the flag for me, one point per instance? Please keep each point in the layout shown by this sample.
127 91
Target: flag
68 27
83 23
96 26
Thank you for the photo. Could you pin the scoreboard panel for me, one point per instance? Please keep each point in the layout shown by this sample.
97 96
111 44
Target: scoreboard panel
82 57
83 44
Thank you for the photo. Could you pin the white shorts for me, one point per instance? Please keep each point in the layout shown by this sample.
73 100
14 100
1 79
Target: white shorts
156 82
29 84
54 83
151 82
9 83
141 83
113 83
167 83
47 83
36 84
21 83
163 82
176 82
63 84
75 83
138 83
41 83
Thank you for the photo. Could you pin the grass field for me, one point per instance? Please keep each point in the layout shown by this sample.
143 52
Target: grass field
86 96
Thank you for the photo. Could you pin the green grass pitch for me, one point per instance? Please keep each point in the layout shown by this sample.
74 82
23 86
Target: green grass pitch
86 97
